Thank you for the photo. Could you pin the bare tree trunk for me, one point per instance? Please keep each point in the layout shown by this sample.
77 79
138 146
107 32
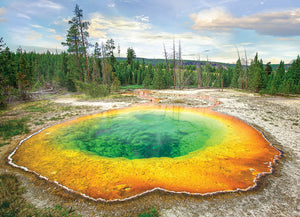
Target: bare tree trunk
198 66
104 64
184 83
221 78
246 70
166 59
180 66
77 57
241 69
207 72
174 64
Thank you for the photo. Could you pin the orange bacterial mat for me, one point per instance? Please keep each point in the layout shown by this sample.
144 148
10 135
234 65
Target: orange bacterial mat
229 160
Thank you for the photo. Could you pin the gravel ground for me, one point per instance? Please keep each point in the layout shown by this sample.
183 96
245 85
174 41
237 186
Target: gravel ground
276 194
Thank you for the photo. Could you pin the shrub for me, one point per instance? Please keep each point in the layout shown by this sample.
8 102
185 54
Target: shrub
13 127
70 85
116 84
93 89
151 213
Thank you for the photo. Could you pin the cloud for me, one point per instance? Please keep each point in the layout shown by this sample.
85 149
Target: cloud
27 37
2 12
48 4
62 21
26 8
21 15
146 39
279 23
111 5
133 30
51 30
58 37
142 18
33 35
43 28
287 39
37 26
101 26
165 36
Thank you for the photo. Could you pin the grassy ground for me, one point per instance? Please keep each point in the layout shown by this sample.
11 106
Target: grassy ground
132 87
13 204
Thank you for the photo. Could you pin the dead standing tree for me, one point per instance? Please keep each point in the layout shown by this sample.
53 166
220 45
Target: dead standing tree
199 71
246 69
179 66
104 65
241 69
221 79
166 60
207 69
174 65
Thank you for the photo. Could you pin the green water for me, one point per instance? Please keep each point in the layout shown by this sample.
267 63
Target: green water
142 134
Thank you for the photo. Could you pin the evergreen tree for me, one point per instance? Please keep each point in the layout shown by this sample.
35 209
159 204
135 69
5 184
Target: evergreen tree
292 80
268 69
228 75
77 40
23 77
147 80
110 47
130 55
236 74
278 79
106 66
7 68
83 27
257 77
96 63
74 44
158 80
2 44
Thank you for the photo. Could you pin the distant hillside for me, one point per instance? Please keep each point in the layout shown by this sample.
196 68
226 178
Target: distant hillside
184 62
202 63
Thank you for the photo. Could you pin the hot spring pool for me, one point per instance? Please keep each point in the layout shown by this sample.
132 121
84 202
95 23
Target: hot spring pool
119 154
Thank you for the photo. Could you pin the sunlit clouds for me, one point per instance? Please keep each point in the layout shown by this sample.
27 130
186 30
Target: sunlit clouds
270 28
280 23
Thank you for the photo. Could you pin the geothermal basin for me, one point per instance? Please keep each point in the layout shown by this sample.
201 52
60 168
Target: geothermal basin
121 154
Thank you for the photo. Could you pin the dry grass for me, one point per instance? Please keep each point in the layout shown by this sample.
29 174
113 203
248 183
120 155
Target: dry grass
13 204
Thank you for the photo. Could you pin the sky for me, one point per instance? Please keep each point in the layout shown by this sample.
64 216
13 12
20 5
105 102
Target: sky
213 29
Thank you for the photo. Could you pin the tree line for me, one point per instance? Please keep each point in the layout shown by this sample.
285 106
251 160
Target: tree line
100 73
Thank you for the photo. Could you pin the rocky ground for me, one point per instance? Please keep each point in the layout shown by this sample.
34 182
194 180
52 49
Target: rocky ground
276 194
